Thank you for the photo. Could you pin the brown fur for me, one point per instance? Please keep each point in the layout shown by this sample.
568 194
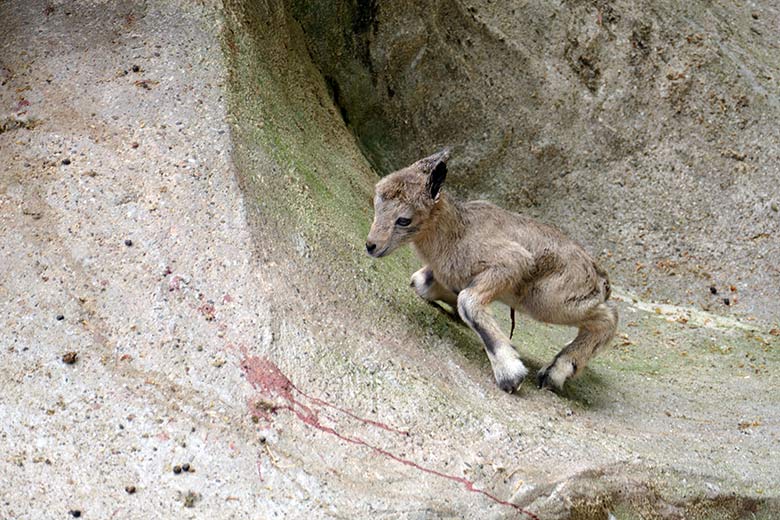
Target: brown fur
476 253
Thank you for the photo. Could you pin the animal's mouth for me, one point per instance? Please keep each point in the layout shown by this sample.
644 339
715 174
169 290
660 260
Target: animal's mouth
379 254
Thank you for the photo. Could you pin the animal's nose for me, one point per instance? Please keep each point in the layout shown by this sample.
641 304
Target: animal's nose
370 247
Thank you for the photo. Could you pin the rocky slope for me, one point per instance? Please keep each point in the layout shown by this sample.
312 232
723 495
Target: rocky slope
184 195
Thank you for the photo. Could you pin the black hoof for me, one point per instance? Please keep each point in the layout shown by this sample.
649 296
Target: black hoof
543 380
553 377
510 384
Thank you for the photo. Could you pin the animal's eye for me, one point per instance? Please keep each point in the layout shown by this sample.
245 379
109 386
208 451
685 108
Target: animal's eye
403 222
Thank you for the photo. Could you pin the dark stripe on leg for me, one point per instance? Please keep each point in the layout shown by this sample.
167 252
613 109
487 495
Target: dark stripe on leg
428 278
487 339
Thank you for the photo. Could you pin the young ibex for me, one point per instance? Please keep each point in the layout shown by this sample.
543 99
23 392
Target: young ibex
475 253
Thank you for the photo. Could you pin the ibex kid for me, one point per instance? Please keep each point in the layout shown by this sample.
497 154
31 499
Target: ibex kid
475 253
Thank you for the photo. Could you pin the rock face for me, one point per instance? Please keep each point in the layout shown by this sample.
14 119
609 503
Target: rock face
184 194
646 129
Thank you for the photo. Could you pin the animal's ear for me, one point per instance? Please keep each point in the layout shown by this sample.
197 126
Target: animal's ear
436 166
436 179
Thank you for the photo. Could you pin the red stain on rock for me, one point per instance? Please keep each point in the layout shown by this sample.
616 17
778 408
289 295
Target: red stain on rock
266 377
277 392
370 422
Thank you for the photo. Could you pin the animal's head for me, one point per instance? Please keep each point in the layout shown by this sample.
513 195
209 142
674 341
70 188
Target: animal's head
403 201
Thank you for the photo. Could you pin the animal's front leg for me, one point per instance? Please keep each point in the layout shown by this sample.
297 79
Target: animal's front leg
508 369
428 288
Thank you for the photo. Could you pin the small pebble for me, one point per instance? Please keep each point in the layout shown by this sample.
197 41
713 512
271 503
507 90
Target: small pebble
754 15
713 290
130 490
135 144
726 301
70 357
190 498
66 162
60 317
128 242
185 467
177 469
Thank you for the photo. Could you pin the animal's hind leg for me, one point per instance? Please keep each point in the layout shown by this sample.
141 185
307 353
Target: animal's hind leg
595 332
428 288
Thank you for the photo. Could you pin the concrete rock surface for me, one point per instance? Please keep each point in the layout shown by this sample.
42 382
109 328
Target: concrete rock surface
647 129
191 329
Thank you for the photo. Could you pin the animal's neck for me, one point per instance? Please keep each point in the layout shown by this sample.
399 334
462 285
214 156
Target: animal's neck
441 231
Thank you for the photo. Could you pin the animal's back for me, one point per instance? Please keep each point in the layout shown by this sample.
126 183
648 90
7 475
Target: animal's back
565 276
535 236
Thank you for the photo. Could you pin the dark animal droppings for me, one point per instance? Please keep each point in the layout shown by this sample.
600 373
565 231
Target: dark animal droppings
60 317
177 469
726 301
713 290
128 242
66 162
